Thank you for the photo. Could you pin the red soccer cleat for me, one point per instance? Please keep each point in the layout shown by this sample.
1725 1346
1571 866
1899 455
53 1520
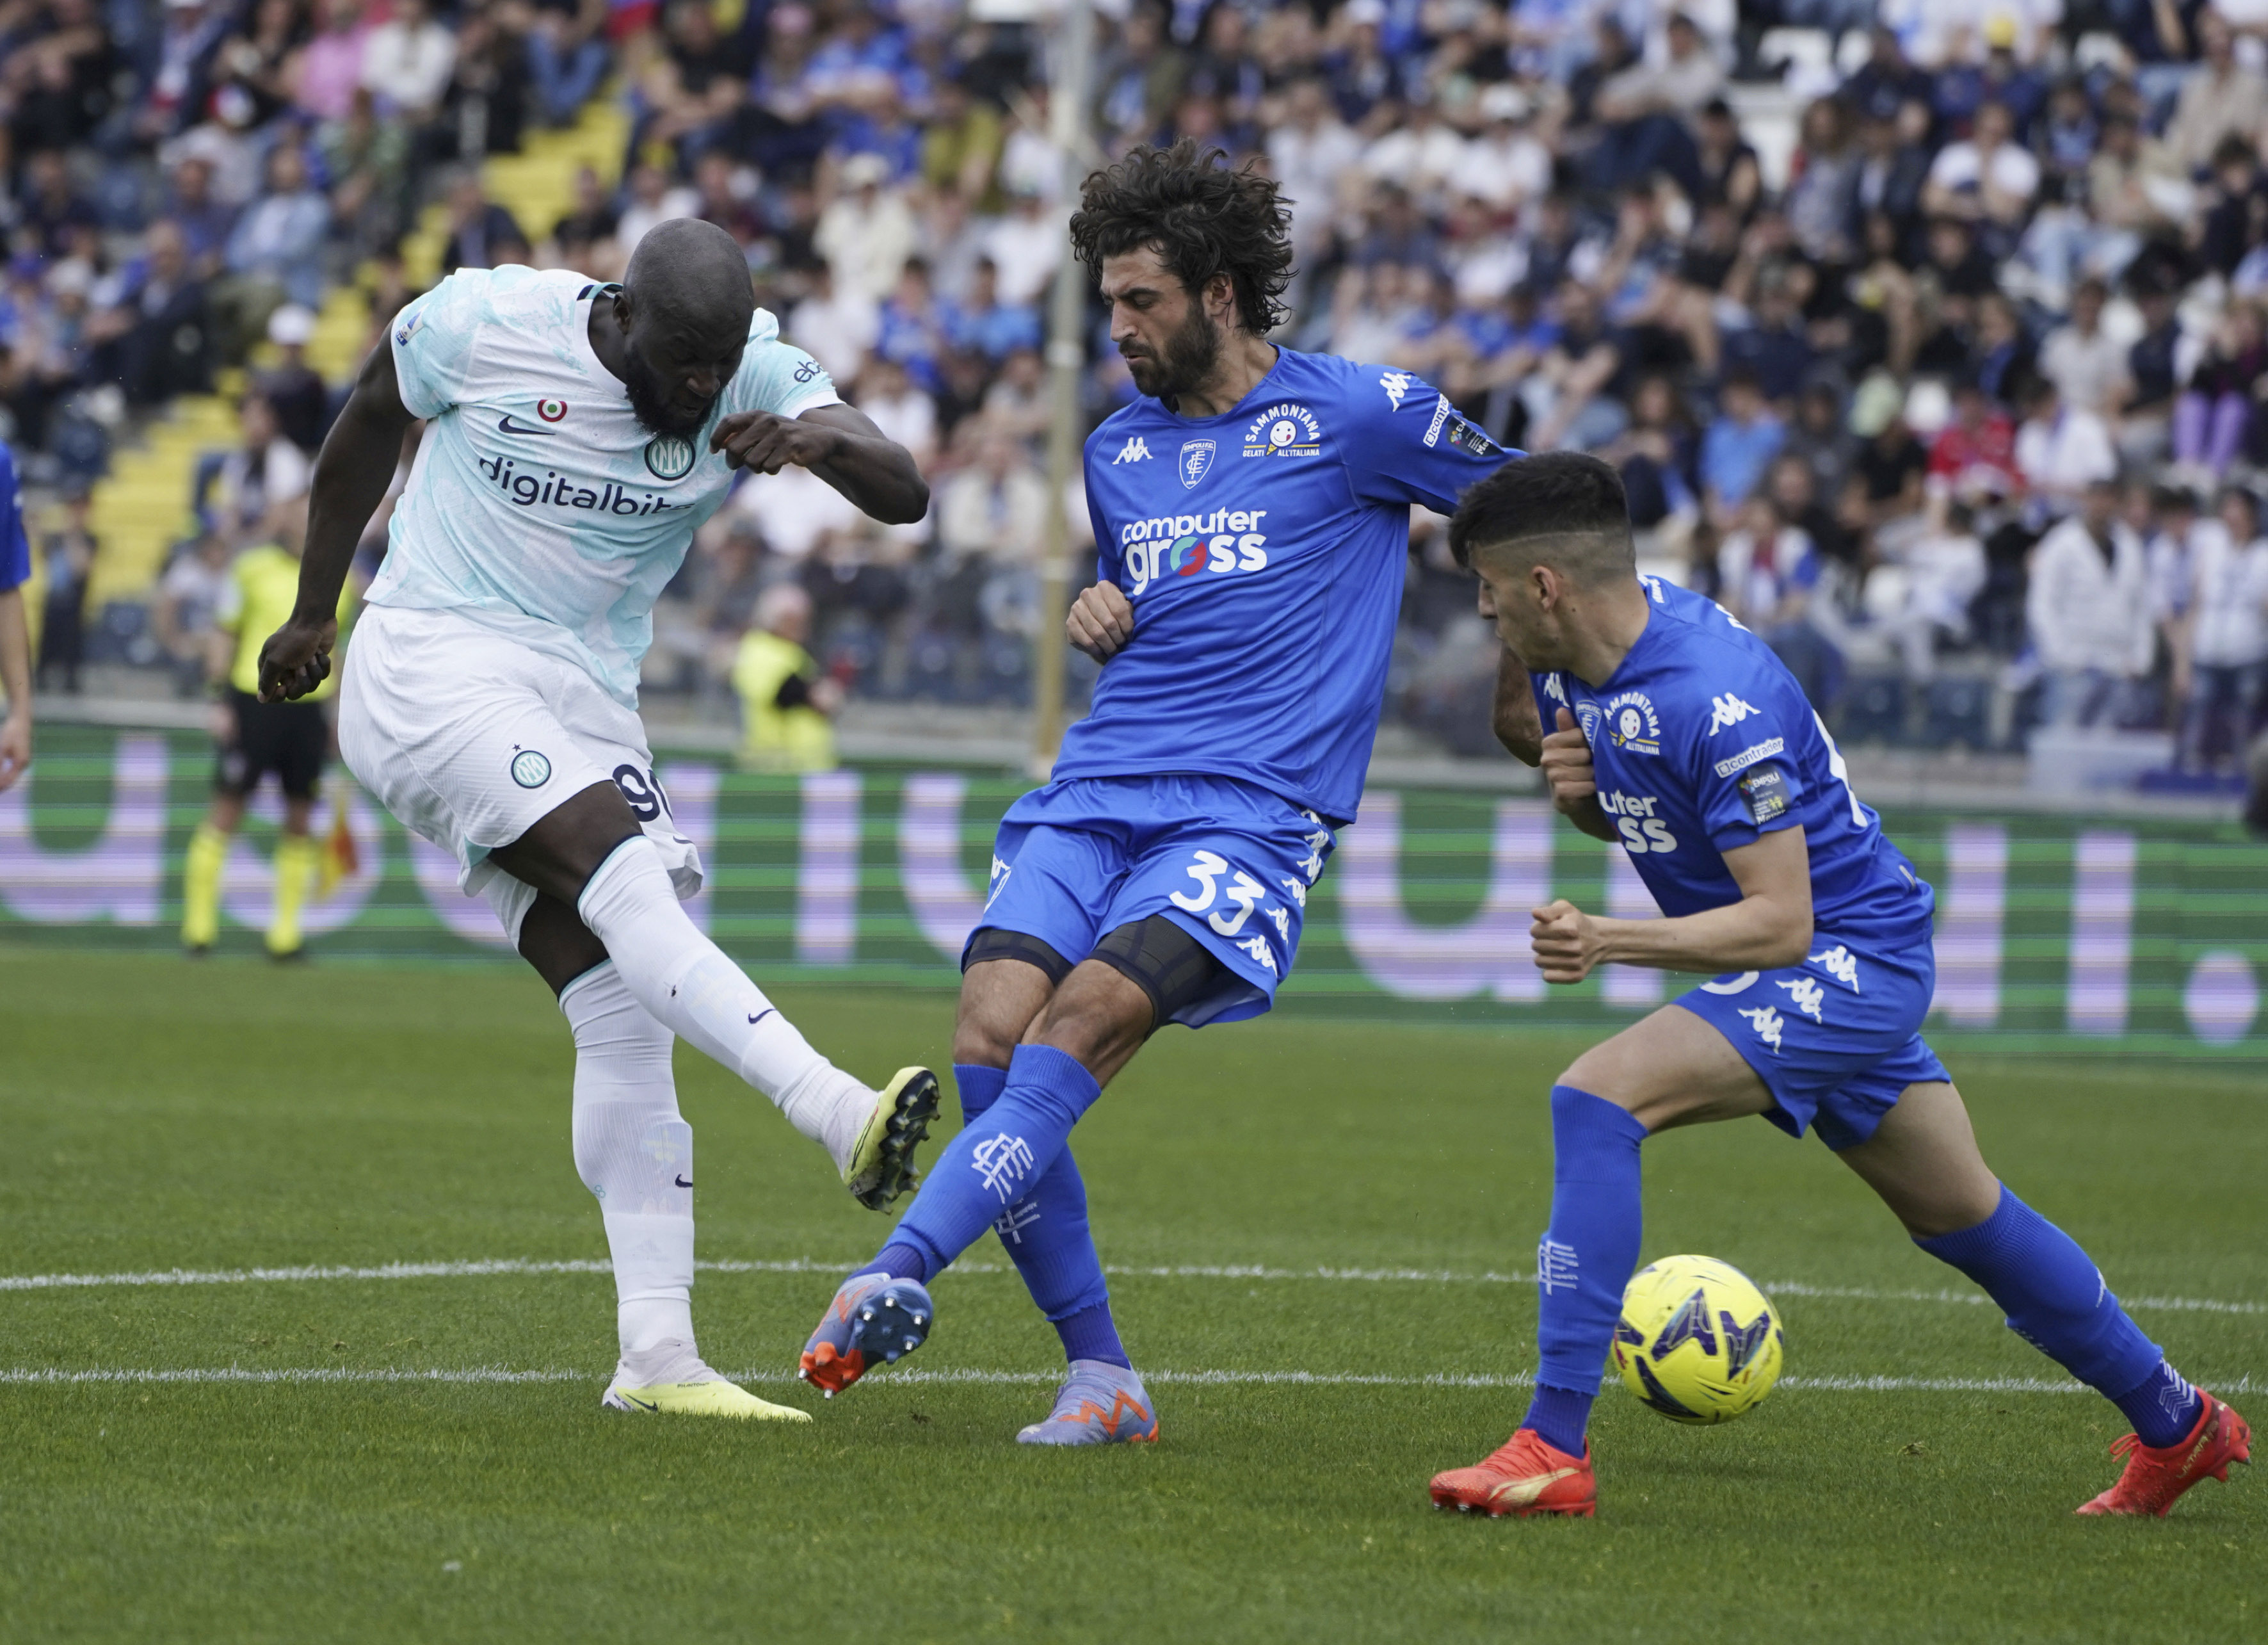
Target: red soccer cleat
1522 1476
2154 1478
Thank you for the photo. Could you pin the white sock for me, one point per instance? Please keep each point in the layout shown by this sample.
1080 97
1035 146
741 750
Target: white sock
686 981
634 1152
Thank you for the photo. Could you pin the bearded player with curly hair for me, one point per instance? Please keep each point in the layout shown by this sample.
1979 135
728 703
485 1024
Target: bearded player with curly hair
1251 517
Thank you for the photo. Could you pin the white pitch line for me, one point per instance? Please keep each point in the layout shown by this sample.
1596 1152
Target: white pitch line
496 1374
506 1265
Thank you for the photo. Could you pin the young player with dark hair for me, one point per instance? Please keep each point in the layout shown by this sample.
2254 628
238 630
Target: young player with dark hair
1680 737
1251 511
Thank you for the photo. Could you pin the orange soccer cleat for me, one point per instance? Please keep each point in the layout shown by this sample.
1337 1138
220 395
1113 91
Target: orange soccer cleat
1522 1476
2154 1480
873 1319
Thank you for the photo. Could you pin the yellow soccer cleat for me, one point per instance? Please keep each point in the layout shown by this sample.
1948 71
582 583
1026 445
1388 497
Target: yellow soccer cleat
719 1399
881 1165
671 1379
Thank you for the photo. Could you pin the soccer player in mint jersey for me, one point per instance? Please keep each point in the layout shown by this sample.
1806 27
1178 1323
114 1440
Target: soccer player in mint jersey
1680 737
576 434
1251 510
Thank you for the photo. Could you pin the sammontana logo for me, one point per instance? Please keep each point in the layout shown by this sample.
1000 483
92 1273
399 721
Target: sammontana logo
1286 429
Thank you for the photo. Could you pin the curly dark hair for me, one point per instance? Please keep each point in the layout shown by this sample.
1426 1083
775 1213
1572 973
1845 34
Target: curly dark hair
1202 217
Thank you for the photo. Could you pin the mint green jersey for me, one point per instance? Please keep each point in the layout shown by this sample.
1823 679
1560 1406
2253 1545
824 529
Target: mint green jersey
538 507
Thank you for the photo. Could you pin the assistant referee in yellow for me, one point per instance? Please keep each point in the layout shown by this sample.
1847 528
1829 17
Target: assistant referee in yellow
254 738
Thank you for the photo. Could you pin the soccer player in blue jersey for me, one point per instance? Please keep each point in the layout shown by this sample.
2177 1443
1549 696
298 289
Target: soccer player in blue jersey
1681 738
1251 513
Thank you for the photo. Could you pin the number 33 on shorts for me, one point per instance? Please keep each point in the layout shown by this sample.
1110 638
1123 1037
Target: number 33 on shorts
1227 896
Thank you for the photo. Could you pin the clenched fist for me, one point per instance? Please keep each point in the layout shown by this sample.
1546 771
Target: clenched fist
1101 623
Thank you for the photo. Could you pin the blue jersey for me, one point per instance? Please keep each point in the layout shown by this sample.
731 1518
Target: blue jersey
1264 553
15 547
1703 742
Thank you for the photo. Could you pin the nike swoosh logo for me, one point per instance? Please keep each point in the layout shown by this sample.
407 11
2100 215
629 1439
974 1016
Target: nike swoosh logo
762 1015
509 425
681 1183
641 1404
1520 1493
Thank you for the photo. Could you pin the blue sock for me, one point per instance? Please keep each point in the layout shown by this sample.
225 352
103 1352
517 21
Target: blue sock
1046 1235
995 1162
1559 1416
2056 1300
1584 1259
900 1262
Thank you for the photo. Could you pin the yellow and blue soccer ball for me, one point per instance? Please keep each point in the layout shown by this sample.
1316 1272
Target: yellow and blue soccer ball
1696 1340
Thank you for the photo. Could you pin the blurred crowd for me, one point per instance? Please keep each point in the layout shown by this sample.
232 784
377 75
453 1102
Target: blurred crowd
1928 335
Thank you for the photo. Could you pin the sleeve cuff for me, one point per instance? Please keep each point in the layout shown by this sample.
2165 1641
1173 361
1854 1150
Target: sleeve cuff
811 402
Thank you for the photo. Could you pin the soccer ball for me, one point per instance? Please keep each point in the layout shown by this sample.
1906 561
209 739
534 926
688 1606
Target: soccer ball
1696 1340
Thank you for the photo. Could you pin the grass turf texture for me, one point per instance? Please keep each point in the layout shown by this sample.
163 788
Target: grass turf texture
230 1116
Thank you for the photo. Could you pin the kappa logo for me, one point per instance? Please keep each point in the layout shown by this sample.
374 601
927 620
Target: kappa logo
1806 994
1632 723
1653 585
1000 872
1554 689
1196 459
1299 891
1768 1022
1840 963
1396 383
1286 429
1281 917
1728 710
1135 450
1262 955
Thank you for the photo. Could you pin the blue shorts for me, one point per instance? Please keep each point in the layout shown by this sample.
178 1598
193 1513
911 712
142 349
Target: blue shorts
1227 862
1834 1039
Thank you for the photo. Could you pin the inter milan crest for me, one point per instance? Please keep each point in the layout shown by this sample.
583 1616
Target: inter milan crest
669 458
1196 459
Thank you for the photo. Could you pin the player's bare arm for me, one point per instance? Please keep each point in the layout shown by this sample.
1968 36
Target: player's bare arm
1513 716
352 471
16 678
1769 927
1100 622
838 443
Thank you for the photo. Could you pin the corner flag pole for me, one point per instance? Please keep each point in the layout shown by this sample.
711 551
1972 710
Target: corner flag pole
1066 356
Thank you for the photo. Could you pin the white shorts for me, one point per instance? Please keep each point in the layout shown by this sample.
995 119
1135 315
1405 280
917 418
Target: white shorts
471 738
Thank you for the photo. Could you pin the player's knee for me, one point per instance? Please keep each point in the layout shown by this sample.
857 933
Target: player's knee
1098 1016
998 1002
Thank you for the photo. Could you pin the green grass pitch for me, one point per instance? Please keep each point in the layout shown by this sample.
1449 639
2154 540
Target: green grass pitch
230 1116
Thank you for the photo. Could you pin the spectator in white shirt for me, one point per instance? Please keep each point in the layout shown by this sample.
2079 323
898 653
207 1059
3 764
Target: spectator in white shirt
2228 632
408 61
2087 364
1923 591
652 200
867 231
2088 610
1420 152
836 325
1506 166
994 510
1310 152
1987 177
2061 450
1025 247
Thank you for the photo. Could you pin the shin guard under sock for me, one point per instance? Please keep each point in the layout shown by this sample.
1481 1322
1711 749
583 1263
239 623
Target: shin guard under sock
1584 1259
1047 1237
996 1160
2056 1299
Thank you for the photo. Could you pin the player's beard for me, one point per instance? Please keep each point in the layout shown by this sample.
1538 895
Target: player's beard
1191 355
650 401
